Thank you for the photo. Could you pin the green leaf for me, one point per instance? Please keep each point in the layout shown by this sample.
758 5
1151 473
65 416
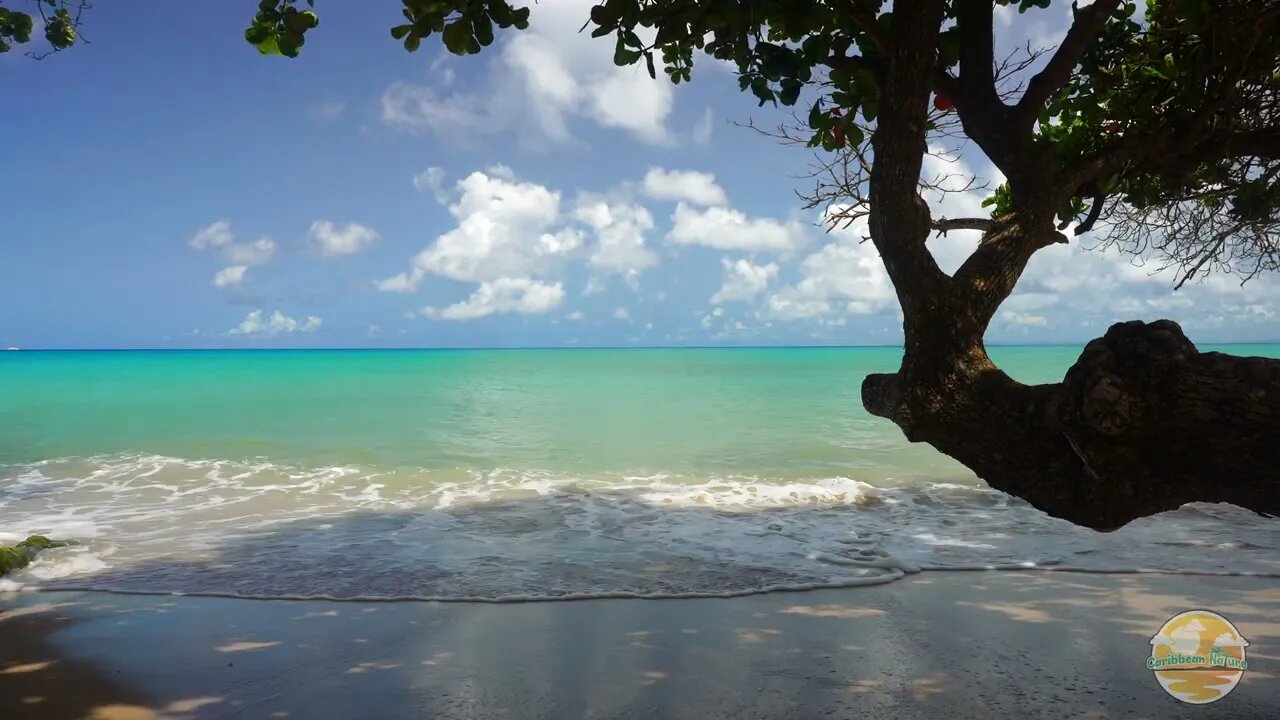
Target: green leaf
256 35
623 56
288 43
483 28
790 92
269 46
602 16
398 32
456 35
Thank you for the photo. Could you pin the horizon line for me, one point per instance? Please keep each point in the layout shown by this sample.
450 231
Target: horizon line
561 347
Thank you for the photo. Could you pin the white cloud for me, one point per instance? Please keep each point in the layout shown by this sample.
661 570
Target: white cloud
845 276
697 188
333 240
620 229
743 281
622 314
1026 319
432 180
727 229
540 79
219 238
505 230
702 131
418 107
277 324
215 235
575 316
229 276
258 252
503 295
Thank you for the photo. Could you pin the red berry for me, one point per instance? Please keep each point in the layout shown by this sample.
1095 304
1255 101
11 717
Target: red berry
943 103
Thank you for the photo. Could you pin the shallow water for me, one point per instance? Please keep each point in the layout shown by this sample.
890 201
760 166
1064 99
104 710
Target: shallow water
522 475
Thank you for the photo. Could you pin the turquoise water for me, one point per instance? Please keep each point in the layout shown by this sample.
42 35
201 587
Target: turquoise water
502 473
785 411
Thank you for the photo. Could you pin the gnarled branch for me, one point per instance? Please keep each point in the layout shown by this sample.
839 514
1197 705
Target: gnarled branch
1086 26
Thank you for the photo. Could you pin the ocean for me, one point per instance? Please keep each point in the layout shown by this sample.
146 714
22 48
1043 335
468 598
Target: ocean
505 475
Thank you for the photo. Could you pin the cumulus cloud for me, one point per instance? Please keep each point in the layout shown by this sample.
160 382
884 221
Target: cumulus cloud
503 295
622 314
697 188
540 80
332 240
277 324
619 228
506 229
743 281
229 276
845 276
258 252
218 237
728 229
575 316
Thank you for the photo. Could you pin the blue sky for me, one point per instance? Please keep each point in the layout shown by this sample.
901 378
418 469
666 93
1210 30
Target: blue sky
166 186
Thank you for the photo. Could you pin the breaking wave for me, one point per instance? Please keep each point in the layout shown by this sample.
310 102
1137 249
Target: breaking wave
155 524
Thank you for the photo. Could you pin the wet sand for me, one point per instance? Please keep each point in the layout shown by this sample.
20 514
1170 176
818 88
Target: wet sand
954 645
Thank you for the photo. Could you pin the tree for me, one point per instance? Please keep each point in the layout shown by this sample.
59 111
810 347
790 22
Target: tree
1157 131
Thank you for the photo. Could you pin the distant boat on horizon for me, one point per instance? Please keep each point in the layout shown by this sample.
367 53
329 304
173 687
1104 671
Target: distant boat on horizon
13 348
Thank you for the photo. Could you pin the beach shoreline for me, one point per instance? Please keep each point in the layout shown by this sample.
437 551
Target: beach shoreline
974 644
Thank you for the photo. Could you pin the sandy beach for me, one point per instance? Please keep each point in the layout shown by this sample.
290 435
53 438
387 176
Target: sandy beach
961 644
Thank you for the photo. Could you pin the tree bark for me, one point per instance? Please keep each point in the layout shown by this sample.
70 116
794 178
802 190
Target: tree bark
1142 423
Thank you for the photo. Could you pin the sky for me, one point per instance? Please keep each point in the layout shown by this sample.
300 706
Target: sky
165 186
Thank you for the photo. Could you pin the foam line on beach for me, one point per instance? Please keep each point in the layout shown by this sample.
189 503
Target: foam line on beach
576 597
249 528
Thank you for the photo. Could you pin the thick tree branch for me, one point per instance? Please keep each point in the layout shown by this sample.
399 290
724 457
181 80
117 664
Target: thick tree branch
1086 26
988 276
1095 210
977 48
985 117
899 220
984 224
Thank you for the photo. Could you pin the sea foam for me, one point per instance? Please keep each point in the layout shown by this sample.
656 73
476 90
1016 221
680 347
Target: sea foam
251 528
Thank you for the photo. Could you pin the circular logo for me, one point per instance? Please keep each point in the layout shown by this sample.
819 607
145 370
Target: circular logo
1198 656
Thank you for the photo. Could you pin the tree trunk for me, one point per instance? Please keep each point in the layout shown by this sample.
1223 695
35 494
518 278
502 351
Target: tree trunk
1142 423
